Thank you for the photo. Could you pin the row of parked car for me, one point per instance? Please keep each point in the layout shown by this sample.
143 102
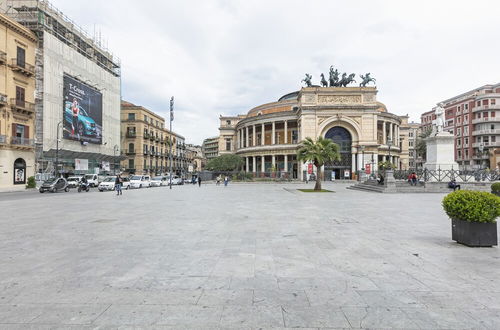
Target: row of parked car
104 183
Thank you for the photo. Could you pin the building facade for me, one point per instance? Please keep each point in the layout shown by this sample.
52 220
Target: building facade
145 143
268 136
473 118
77 93
194 157
210 147
17 108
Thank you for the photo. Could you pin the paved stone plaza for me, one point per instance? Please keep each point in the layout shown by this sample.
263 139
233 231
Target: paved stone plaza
240 257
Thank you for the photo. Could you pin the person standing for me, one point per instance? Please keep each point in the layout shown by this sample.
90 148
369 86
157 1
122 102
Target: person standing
226 181
118 185
199 181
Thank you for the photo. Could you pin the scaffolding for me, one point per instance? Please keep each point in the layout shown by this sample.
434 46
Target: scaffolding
40 16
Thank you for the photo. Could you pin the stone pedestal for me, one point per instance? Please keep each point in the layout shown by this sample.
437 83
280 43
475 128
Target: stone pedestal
440 152
390 182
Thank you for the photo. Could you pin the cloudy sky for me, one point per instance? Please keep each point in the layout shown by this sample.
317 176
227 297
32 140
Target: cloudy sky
223 57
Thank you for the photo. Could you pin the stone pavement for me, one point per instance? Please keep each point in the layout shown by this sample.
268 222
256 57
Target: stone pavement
240 257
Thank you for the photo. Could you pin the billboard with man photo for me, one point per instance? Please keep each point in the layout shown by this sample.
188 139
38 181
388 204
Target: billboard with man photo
82 111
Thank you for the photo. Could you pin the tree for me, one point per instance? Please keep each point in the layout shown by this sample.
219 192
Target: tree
227 162
421 145
318 152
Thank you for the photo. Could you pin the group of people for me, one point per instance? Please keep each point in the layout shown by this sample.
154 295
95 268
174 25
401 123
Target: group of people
219 179
412 179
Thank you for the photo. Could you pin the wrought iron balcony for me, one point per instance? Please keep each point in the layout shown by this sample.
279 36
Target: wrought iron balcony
3 139
22 106
130 152
131 134
22 141
24 68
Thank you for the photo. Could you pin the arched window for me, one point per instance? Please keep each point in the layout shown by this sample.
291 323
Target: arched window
20 171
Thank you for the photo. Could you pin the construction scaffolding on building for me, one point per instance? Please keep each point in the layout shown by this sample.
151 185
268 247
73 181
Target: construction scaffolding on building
40 16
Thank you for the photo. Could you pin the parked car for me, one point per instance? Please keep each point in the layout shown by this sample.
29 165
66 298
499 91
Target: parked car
125 183
86 125
140 181
92 179
54 185
74 181
107 184
157 181
175 180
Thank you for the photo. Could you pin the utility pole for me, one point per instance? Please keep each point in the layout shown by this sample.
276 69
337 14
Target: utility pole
57 150
171 133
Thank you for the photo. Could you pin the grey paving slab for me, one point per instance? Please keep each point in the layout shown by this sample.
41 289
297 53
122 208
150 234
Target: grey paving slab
246 256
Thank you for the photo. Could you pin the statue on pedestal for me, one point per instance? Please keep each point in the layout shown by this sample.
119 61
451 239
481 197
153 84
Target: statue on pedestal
324 83
334 77
366 79
438 123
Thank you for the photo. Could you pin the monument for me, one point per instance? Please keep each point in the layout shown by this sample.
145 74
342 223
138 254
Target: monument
440 145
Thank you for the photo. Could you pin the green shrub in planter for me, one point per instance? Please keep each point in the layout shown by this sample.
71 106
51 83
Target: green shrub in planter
472 206
31 182
495 188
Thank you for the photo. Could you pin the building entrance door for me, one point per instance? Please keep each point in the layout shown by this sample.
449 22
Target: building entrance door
20 171
340 169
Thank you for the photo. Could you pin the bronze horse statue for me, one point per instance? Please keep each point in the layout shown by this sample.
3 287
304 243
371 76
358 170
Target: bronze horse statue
366 79
307 80
324 83
334 77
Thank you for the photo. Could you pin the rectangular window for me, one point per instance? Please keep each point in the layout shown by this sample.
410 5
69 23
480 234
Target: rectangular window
19 131
459 153
493 138
410 143
228 144
131 116
131 163
493 114
410 134
458 131
466 106
493 101
21 57
145 118
466 142
466 153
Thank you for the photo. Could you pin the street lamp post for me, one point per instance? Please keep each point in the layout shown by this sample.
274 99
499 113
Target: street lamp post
115 150
389 145
362 167
171 120
481 150
57 149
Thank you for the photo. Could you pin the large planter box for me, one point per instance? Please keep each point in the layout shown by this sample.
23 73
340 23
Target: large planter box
478 234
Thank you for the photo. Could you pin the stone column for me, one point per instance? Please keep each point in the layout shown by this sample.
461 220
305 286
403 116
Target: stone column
254 164
353 165
390 132
286 133
285 166
384 158
263 135
360 161
274 162
247 140
263 169
384 134
254 135
247 164
273 137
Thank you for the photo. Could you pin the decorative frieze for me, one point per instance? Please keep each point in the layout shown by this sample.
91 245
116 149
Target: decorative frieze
339 99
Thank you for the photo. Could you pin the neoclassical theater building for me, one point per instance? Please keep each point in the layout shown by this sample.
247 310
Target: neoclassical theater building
268 136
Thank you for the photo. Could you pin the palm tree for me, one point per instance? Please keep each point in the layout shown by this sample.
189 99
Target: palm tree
319 152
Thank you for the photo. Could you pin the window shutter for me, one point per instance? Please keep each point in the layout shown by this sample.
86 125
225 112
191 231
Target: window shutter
26 132
14 130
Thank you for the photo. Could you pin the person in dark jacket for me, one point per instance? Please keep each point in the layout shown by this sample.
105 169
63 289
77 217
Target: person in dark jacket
199 181
118 185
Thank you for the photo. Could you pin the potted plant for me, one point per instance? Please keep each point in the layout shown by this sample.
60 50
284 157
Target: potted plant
473 216
495 188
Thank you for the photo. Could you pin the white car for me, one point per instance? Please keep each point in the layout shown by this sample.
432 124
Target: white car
175 180
157 181
73 181
92 179
140 181
107 184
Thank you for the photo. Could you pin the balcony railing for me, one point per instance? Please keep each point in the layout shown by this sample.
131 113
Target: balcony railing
22 105
485 120
131 134
129 152
24 68
146 135
3 139
22 141
486 107
3 57
146 152
486 144
3 99
486 131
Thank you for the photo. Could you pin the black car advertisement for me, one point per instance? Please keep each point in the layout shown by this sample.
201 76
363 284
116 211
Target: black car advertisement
82 111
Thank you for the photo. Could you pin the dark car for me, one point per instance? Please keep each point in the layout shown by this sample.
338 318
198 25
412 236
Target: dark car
54 185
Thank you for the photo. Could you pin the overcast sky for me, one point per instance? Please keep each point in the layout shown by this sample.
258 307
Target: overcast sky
224 57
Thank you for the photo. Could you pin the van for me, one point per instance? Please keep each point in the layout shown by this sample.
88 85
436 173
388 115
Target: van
92 179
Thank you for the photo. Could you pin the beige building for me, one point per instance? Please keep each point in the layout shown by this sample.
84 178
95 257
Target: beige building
17 108
195 158
268 136
145 143
210 147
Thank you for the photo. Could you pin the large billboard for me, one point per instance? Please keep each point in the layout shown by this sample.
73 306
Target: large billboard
82 112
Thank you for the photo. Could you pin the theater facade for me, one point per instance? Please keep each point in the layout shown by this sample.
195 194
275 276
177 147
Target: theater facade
268 136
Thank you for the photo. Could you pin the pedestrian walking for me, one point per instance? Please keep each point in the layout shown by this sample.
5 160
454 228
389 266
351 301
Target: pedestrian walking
118 185
199 181
218 180
226 181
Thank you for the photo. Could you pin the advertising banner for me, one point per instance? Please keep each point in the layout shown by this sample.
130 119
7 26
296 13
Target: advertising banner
309 168
81 164
368 169
105 166
82 111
